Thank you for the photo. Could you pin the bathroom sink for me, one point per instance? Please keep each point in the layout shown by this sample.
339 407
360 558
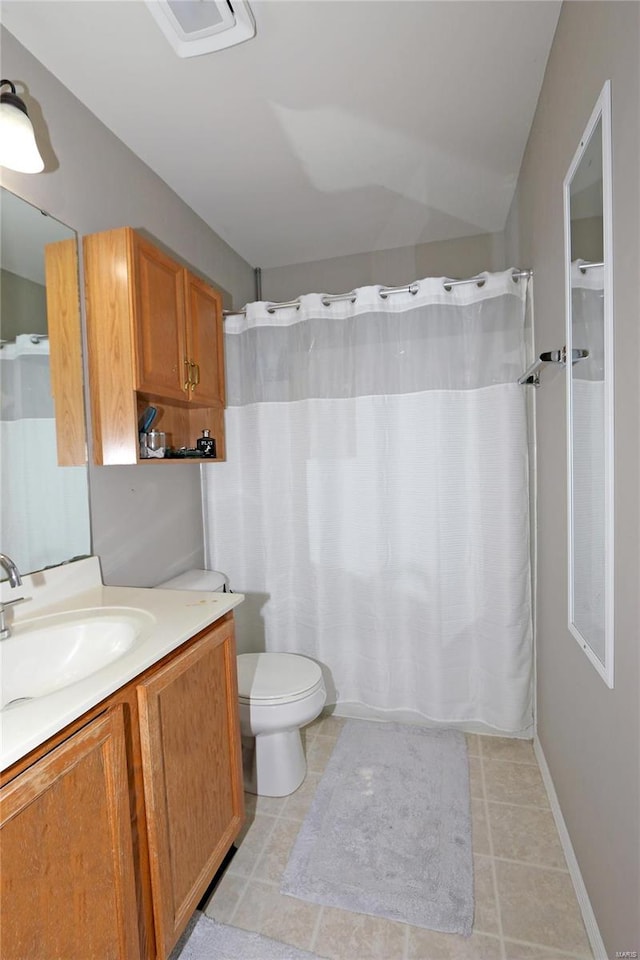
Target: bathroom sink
49 653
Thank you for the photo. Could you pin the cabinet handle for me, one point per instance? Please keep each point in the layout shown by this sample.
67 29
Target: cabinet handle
187 382
192 380
197 367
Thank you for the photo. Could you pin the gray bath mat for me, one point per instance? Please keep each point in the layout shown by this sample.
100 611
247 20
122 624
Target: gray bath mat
210 940
389 830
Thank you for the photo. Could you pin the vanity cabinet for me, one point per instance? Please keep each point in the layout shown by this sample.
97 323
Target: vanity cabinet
68 887
188 726
112 831
155 337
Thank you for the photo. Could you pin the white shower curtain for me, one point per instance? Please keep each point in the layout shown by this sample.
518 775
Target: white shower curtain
374 503
44 513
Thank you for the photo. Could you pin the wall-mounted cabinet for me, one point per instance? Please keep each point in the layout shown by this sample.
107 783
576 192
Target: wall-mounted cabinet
65 349
154 337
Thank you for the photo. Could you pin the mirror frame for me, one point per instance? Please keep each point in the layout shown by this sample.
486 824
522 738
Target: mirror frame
601 114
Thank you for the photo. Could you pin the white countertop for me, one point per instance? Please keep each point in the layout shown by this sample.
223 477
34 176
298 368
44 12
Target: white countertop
177 616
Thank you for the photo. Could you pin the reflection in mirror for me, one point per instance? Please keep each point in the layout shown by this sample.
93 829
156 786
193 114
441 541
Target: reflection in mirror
44 512
590 391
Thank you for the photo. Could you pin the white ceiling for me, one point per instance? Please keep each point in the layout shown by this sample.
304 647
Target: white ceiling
344 126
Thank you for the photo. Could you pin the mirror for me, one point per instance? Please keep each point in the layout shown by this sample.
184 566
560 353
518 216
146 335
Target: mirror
588 272
44 509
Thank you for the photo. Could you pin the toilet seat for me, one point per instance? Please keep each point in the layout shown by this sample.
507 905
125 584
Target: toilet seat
273 678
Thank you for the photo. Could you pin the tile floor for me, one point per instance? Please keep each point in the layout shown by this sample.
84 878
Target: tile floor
526 908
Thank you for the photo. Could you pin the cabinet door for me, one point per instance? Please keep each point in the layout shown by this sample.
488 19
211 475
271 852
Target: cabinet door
192 773
68 887
159 322
65 349
205 340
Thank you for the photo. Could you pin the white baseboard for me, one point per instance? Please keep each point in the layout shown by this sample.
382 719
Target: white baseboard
588 916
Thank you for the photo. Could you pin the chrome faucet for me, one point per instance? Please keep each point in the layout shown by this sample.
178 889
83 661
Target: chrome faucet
15 580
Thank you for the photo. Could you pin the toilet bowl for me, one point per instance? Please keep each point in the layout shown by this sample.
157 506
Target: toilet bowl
278 693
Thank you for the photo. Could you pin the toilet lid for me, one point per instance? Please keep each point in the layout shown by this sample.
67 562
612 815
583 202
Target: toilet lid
276 677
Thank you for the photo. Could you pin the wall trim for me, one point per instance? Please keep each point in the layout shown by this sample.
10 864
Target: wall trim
588 916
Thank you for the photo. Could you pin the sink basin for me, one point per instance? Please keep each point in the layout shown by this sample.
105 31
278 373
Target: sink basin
50 653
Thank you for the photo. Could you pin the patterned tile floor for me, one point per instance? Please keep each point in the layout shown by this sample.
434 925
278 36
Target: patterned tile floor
526 907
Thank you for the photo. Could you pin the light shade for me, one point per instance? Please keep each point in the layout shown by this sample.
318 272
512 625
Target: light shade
18 149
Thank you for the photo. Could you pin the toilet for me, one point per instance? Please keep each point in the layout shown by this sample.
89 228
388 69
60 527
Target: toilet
279 693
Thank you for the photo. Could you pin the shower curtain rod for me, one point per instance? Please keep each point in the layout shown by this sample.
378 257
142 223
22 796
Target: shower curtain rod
384 292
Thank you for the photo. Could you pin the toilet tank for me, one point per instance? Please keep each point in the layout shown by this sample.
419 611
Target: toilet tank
198 580
249 622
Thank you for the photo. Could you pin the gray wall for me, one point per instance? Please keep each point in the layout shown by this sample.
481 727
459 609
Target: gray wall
23 306
590 734
146 522
463 257
587 239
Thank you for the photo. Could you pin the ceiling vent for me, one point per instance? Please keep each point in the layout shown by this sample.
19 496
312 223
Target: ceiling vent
194 27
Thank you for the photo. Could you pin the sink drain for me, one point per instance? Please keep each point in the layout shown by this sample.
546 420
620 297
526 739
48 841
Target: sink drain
16 702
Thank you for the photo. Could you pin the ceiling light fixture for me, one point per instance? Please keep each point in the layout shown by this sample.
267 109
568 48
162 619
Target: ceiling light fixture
194 27
18 148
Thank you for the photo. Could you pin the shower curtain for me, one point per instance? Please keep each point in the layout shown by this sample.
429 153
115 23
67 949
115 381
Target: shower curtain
44 517
374 504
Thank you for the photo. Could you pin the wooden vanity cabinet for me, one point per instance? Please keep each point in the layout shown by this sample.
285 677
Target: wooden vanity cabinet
155 336
190 743
68 887
114 830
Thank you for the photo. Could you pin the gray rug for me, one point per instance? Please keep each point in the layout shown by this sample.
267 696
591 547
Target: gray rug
210 940
389 830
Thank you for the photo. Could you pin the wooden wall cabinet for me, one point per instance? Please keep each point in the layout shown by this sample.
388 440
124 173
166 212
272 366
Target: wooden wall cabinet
155 336
65 350
113 830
